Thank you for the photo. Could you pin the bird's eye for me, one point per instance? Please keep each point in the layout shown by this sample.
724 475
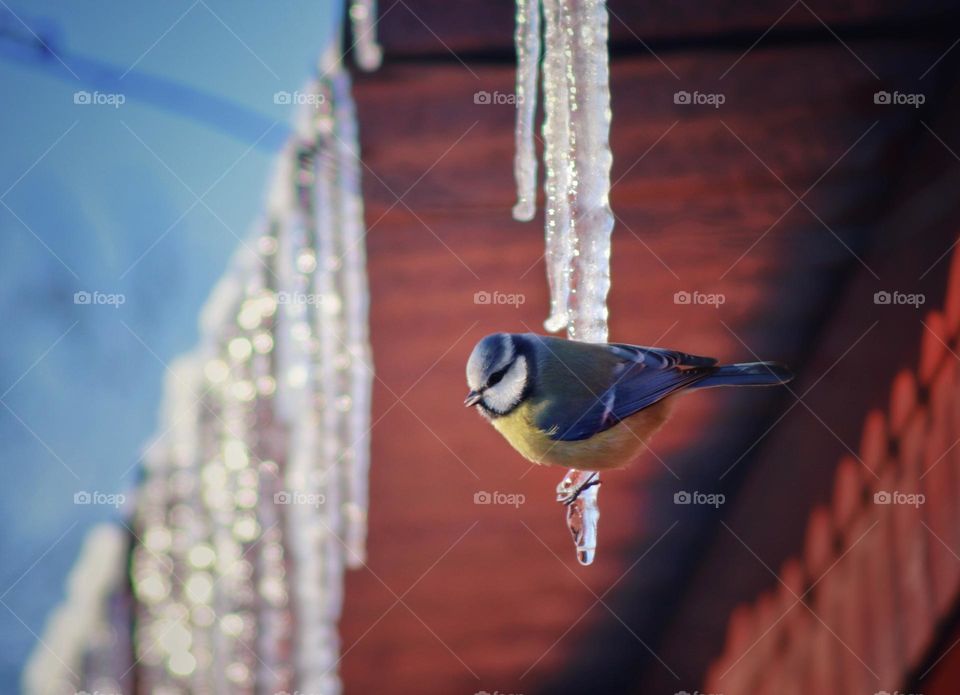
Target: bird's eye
496 377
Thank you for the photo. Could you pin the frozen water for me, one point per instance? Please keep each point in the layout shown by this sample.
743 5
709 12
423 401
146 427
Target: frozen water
363 15
559 185
254 499
577 160
528 63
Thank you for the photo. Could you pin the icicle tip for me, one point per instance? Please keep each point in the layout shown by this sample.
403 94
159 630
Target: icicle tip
524 211
556 323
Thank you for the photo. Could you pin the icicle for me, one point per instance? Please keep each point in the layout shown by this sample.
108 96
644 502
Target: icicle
577 159
257 478
356 355
274 619
255 494
594 219
576 155
560 239
583 514
330 387
363 15
528 63
80 630
591 180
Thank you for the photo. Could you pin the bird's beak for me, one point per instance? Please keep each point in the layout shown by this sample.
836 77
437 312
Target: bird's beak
472 398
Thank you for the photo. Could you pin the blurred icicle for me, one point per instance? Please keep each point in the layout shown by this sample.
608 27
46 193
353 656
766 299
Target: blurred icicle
355 357
254 499
363 17
275 452
577 159
528 64
83 630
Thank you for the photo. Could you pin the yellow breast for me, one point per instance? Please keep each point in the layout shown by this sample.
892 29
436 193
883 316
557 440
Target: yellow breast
612 448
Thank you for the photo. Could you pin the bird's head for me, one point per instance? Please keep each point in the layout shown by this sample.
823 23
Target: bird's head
498 374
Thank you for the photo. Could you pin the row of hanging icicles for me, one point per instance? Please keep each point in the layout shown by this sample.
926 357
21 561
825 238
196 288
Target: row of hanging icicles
254 498
255 504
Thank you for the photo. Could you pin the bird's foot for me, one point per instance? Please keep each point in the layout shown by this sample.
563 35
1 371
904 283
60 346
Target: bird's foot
574 484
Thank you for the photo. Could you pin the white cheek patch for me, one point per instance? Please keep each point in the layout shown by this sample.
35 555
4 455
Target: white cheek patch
505 395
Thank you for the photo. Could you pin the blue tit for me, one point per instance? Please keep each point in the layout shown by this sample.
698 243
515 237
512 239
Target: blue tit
590 406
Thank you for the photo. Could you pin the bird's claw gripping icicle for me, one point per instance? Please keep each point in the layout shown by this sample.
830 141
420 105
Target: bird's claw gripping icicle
568 491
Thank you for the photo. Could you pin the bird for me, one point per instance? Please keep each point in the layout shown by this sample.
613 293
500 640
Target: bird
590 406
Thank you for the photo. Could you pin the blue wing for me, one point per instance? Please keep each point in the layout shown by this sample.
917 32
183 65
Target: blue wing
640 377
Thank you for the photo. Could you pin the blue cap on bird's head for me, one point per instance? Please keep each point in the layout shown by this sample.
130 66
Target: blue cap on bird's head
492 353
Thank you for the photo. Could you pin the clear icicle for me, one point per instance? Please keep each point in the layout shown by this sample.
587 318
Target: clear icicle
363 14
583 514
590 123
577 159
528 61
560 239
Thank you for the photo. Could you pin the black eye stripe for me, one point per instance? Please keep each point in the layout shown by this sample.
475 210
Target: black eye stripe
496 377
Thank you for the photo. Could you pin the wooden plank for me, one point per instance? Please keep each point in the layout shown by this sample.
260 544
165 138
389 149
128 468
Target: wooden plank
446 29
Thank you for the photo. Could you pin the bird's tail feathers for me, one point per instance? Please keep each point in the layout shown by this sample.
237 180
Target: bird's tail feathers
747 374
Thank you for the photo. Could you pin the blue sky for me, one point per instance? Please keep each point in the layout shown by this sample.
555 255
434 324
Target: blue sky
103 197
